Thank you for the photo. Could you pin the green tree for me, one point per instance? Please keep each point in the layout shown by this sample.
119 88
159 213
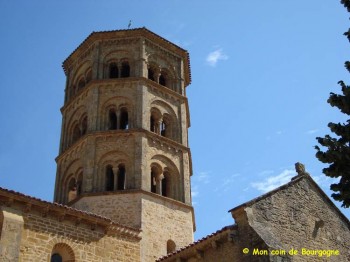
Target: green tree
337 152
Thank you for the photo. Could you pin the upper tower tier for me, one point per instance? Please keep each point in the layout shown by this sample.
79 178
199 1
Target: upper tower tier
170 67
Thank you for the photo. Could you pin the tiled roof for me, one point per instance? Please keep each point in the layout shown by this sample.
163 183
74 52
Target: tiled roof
198 242
13 195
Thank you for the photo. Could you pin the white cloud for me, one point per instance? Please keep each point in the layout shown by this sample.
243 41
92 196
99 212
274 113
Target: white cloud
323 180
203 177
215 56
272 182
266 172
312 131
227 183
279 132
194 191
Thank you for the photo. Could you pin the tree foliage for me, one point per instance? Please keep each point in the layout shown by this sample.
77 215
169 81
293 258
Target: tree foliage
337 153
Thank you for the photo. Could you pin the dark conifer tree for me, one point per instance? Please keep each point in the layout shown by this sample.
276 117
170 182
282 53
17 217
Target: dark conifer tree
337 152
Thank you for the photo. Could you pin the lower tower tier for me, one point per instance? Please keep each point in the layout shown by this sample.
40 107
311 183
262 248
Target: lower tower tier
166 224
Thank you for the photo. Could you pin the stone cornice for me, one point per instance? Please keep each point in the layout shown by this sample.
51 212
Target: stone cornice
112 133
101 83
62 213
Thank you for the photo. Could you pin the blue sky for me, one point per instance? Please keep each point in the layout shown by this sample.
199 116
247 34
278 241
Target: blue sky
261 74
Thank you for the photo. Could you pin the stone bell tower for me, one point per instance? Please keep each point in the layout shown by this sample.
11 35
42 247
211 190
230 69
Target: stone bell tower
124 141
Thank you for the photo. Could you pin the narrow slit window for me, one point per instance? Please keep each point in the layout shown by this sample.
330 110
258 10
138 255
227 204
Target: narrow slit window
121 178
124 119
76 134
162 80
113 70
165 186
109 179
152 124
81 84
151 74
153 182
112 125
84 126
125 69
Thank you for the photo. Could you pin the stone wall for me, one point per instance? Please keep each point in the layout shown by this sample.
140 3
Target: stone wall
160 219
11 225
296 216
164 220
34 237
121 207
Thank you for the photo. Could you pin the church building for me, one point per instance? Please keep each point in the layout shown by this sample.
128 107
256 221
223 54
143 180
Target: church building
123 181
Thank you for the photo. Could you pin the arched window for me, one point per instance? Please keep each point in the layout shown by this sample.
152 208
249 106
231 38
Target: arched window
163 128
76 133
162 80
152 124
61 252
56 258
170 246
84 126
81 83
124 121
113 70
112 117
72 189
125 69
79 184
165 187
121 177
155 120
153 181
151 74
73 91
88 76
109 178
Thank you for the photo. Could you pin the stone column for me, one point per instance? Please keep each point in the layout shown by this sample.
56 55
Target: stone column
118 118
115 174
159 183
11 235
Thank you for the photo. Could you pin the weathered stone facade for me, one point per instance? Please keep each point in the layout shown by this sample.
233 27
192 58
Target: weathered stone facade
296 216
35 230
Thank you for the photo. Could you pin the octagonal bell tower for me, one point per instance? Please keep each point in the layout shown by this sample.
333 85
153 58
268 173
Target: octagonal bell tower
124 141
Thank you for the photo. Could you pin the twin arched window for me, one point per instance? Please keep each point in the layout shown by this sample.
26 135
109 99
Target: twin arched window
119 71
81 82
160 125
162 183
74 187
79 129
161 76
115 178
118 119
